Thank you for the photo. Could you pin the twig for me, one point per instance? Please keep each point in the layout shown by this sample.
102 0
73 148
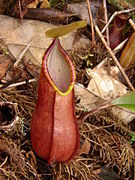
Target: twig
115 14
101 64
120 46
132 23
114 58
20 9
15 79
106 21
117 49
86 115
92 26
107 36
59 173
21 83
22 54
4 161
101 107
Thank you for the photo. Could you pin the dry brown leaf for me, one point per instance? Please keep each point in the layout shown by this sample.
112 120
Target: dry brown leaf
81 10
108 88
100 89
33 4
5 62
18 35
50 15
105 86
85 147
128 54
45 4
87 99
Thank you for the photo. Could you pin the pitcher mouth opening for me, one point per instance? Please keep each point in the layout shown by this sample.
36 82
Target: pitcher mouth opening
58 68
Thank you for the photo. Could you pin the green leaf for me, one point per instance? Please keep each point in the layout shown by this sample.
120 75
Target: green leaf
57 4
132 137
63 30
127 101
133 17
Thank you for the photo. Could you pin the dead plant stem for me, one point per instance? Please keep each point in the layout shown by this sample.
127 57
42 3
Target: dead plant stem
132 23
120 46
86 115
115 14
114 58
4 162
20 13
22 54
106 21
60 169
107 36
116 50
91 22
21 83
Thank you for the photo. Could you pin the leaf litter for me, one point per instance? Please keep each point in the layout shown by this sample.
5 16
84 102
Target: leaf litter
103 137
